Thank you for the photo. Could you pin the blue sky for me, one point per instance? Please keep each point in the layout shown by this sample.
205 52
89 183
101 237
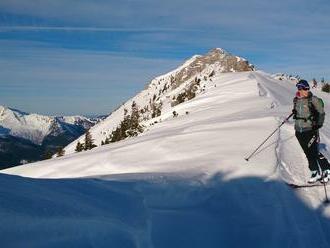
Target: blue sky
87 57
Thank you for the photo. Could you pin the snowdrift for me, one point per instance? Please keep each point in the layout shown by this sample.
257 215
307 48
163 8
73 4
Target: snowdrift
167 212
183 183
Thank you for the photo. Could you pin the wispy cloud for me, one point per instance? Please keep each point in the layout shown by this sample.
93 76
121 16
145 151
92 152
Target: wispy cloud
250 16
67 77
53 43
87 29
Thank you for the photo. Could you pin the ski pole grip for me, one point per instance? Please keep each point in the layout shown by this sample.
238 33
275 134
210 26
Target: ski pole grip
287 118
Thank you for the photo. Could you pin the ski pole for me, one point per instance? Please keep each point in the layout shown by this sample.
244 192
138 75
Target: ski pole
326 201
286 119
316 137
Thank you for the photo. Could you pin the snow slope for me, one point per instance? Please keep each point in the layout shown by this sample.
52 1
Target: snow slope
183 183
167 212
197 72
219 122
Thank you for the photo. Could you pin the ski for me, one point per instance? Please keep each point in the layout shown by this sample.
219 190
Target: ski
309 185
317 184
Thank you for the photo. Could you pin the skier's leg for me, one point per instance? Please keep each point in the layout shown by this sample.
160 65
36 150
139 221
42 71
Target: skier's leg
323 162
308 143
312 151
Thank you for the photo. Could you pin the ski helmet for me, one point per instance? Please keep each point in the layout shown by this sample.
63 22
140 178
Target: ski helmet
302 84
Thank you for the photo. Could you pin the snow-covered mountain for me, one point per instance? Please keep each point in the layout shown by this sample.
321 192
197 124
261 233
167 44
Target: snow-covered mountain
224 123
28 137
181 183
164 93
286 77
35 127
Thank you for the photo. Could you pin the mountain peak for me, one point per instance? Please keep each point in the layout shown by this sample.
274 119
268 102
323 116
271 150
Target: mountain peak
159 99
217 60
226 61
218 51
2 109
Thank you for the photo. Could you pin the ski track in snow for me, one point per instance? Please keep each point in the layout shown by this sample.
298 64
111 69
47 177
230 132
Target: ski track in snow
183 183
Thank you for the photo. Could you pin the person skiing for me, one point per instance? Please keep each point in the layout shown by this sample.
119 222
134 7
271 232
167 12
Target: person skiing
314 83
308 113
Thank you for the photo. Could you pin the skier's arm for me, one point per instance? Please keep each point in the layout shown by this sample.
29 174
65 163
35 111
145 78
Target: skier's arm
294 111
319 106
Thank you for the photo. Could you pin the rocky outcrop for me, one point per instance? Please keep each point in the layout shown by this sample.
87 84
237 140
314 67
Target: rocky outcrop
217 57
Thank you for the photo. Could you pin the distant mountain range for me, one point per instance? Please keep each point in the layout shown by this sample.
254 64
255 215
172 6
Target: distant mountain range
28 137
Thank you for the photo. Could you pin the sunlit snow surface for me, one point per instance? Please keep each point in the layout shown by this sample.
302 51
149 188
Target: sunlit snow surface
182 183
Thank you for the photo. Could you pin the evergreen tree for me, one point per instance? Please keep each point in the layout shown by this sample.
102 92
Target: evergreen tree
48 155
129 126
156 109
326 87
115 135
79 147
60 152
134 121
89 142
134 126
181 97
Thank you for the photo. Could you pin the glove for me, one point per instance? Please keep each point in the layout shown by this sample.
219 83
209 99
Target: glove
294 112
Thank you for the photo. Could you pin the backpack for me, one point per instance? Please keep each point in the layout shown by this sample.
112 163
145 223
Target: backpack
314 116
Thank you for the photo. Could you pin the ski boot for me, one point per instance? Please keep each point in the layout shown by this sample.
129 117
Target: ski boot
325 176
316 176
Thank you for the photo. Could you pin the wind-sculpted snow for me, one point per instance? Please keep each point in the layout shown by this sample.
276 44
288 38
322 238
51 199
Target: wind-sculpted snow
182 183
156 212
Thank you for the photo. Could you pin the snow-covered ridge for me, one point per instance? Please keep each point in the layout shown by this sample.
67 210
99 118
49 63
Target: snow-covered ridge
184 183
190 143
284 76
163 92
35 127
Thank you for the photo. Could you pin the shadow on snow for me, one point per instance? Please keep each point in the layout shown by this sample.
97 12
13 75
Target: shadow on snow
165 212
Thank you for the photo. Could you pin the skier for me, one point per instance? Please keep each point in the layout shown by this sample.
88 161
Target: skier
308 112
314 83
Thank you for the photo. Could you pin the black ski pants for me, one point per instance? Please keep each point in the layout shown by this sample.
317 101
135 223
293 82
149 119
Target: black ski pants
309 143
